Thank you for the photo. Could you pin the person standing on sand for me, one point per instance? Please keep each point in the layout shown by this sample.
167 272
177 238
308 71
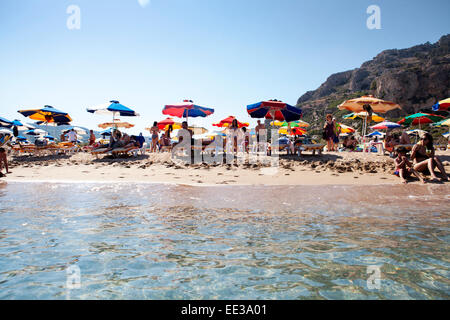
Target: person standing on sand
91 138
424 158
259 127
329 132
155 136
3 162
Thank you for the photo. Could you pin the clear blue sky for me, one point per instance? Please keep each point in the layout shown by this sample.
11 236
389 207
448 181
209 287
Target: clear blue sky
223 54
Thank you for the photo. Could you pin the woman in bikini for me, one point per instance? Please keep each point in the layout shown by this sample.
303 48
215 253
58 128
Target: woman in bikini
155 132
426 161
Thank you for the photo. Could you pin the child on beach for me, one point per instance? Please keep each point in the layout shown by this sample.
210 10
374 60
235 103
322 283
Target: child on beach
3 162
403 167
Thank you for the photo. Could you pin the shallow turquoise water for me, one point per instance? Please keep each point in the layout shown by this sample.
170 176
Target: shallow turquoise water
149 241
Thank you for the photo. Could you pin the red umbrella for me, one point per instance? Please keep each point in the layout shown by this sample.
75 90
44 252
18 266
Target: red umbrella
227 122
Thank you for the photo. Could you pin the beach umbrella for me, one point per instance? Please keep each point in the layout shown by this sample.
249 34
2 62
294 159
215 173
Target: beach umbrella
5 123
227 122
417 132
442 105
445 122
6 131
369 104
21 138
48 114
376 105
198 130
36 132
164 124
385 125
116 124
375 133
275 110
292 131
292 124
21 126
78 130
446 135
49 137
420 118
114 108
346 129
363 115
186 109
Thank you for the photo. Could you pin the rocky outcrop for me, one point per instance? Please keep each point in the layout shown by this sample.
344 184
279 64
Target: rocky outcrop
416 78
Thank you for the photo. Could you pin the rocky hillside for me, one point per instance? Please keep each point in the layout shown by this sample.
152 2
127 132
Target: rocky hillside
416 78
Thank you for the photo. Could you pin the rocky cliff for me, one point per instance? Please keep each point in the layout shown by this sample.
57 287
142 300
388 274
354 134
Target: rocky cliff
416 78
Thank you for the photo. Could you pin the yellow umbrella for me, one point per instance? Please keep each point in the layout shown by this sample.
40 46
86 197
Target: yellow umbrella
293 124
292 131
346 129
363 115
116 124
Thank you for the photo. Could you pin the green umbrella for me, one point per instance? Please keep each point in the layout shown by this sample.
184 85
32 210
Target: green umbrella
420 118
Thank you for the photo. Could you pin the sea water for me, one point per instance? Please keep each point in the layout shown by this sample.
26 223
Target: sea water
155 241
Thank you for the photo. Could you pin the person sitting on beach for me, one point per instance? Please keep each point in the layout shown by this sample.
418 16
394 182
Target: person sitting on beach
403 167
140 140
404 138
424 158
114 139
3 162
155 135
72 136
62 137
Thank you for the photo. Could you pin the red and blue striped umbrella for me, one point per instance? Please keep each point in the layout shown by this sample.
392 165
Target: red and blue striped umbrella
442 105
275 110
186 109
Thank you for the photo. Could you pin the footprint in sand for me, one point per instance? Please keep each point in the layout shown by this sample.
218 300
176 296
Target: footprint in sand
355 177
85 171
384 178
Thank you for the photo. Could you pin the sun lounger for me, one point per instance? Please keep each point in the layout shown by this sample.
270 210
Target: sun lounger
123 151
4 139
309 147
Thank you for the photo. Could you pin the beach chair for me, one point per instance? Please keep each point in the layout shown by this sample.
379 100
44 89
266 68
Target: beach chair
140 150
4 139
314 147
123 151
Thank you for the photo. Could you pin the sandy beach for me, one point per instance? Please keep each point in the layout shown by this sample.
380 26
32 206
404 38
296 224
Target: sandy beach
343 168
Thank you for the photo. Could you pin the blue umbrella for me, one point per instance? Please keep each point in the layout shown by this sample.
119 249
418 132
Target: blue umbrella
375 133
49 137
21 138
35 132
106 132
275 110
5 123
114 108
46 114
